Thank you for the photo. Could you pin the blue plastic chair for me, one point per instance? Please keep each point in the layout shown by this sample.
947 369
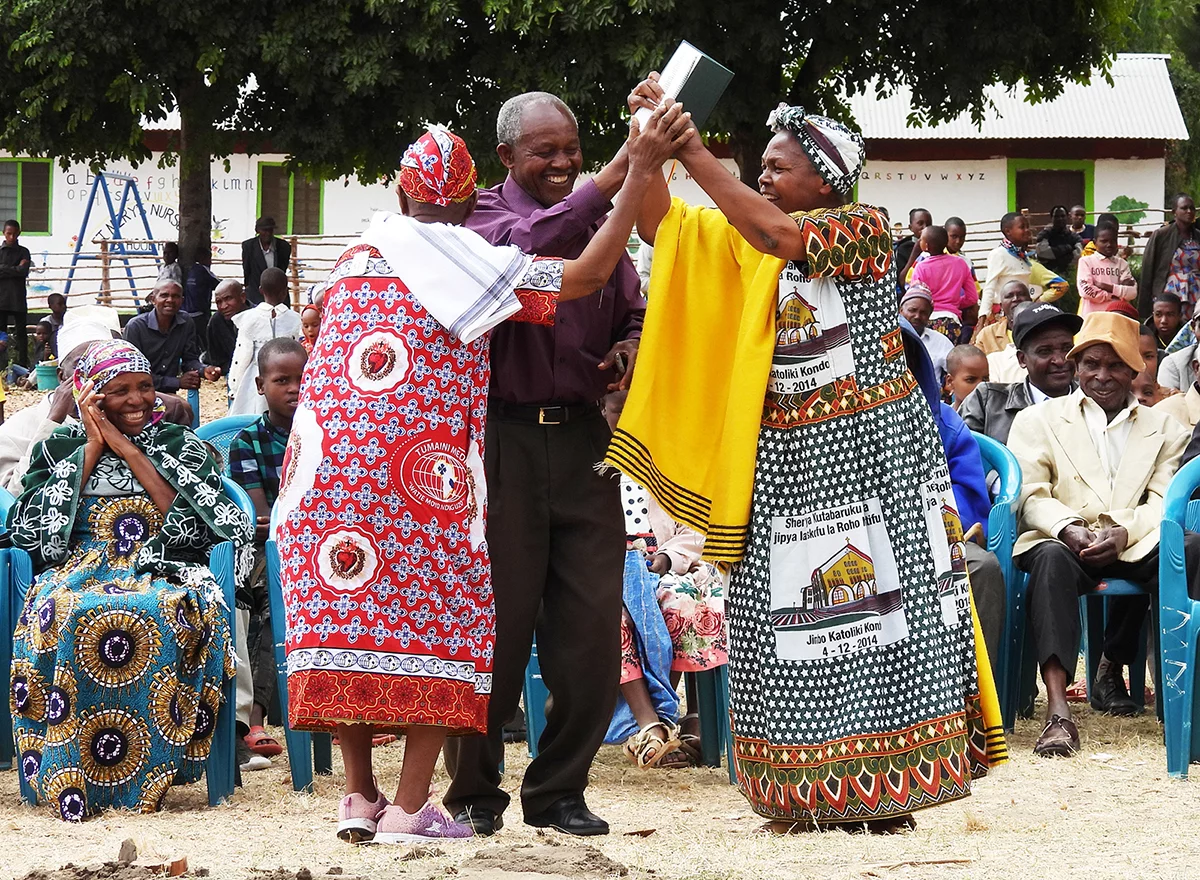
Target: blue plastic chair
193 399
1002 535
305 750
7 625
1095 615
220 433
1179 624
221 767
535 695
708 696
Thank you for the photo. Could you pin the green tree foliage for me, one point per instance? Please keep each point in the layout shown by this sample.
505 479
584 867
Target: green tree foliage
1128 210
339 83
1174 26
811 52
342 85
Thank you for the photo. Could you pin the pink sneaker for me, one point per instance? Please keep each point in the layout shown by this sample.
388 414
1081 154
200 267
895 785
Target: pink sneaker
428 823
357 816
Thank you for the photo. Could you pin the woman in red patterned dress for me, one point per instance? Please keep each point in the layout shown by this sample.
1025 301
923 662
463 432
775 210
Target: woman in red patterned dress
386 578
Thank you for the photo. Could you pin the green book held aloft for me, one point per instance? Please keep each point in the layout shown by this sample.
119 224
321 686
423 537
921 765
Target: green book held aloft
695 79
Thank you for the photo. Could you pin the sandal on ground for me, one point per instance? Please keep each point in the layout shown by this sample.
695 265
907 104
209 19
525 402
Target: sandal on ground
891 825
262 743
1059 737
689 743
645 749
677 759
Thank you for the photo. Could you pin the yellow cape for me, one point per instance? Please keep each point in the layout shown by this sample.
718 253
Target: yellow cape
689 430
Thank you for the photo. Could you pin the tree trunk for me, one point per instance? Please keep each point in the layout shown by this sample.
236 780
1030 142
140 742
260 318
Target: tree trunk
195 182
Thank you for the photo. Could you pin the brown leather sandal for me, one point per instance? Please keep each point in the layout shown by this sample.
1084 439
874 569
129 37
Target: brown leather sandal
645 749
1060 737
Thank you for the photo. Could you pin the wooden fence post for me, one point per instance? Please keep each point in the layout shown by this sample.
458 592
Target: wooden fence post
295 279
105 291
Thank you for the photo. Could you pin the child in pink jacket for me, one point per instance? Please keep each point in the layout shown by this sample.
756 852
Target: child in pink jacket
1103 276
950 280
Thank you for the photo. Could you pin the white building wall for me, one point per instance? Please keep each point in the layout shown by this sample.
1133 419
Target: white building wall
976 190
973 189
1141 179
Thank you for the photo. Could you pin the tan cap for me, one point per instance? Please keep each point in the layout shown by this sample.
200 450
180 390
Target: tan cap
1111 328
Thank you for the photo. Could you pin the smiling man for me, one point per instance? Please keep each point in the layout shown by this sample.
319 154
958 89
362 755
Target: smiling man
230 300
557 532
168 340
1095 465
1043 335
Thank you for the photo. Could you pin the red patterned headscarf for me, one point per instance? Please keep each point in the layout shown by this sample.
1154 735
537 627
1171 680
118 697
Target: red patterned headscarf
438 169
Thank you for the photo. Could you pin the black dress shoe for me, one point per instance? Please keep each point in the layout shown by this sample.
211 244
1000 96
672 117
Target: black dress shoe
569 815
481 820
1110 696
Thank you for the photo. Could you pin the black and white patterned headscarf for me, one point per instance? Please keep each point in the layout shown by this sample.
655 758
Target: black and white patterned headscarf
836 151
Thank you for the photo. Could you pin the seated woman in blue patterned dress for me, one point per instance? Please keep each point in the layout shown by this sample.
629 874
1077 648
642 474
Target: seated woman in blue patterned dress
122 646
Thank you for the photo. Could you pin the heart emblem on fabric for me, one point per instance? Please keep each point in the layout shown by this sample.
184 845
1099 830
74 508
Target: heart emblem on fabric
348 558
378 360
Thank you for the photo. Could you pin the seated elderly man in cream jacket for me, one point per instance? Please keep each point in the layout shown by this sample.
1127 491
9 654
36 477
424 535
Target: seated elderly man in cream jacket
1095 465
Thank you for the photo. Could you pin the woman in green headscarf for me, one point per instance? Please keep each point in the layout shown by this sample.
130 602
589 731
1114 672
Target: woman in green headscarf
122 646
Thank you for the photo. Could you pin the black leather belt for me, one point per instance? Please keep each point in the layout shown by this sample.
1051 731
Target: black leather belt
550 414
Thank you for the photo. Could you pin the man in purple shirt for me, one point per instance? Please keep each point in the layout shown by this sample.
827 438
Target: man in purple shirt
555 528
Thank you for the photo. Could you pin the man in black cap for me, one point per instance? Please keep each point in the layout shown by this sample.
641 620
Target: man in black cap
260 253
1043 335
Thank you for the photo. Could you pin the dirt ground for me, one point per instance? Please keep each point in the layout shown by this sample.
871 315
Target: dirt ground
1110 812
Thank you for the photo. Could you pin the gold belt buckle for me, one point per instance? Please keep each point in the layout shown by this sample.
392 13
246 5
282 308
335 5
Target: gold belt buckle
542 416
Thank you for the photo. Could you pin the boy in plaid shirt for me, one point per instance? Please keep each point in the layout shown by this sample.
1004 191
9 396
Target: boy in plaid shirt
255 463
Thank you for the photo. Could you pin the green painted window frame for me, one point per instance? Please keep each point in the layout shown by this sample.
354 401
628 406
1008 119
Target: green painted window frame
23 160
291 199
1087 166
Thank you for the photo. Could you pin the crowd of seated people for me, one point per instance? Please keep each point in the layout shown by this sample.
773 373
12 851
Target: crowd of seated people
1097 409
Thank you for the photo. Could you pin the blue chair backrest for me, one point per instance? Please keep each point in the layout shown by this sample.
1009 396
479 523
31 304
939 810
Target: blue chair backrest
1180 513
238 496
1002 521
7 500
220 433
996 457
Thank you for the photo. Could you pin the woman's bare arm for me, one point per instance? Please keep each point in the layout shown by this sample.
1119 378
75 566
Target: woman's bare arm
763 225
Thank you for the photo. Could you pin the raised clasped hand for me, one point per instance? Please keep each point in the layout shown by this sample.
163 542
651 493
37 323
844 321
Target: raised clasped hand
645 95
668 128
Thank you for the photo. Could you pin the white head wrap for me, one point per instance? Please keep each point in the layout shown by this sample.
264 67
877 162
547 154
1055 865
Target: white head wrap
836 151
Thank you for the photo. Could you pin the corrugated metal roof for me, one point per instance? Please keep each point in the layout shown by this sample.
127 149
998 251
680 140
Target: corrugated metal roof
1139 104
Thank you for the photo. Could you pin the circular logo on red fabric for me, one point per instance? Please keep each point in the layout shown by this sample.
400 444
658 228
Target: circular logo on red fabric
346 559
435 475
377 363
